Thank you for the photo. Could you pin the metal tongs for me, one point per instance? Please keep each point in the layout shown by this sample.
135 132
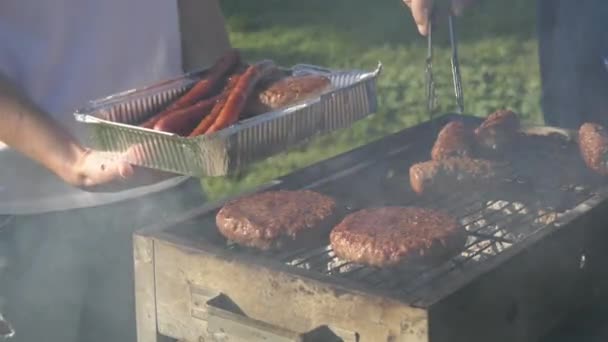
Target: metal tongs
430 82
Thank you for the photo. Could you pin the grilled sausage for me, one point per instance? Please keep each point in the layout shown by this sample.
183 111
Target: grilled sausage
453 174
154 119
202 88
183 121
593 145
208 120
496 134
454 140
240 94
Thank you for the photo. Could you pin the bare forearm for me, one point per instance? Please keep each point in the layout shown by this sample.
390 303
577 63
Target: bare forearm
30 131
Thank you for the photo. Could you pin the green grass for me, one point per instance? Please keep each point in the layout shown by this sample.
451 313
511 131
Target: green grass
497 54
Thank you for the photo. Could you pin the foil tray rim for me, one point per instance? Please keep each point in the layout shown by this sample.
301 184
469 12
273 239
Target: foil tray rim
231 148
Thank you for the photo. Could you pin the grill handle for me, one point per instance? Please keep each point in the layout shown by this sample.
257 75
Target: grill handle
227 323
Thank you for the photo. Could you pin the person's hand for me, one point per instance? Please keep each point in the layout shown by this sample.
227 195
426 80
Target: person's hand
95 168
421 8
98 171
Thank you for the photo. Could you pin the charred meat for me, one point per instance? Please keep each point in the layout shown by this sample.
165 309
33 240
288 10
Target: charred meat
453 174
593 145
497 132
389 236
287 91
272 219
454 140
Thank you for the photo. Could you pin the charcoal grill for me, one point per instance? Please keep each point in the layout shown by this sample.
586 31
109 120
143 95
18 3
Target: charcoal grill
521 271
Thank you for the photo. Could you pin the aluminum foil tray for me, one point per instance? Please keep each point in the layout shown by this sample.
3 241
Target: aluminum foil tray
111 122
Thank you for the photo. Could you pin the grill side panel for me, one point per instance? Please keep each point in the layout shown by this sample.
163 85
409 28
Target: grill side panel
521 301
145 296
274 297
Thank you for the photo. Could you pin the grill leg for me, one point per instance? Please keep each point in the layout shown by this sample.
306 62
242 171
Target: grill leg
145 300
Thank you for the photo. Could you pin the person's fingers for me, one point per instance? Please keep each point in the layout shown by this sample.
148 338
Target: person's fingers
99 168
420 12
125 170
421 8
111 172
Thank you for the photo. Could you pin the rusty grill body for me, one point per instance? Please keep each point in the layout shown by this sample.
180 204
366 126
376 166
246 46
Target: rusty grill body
520 272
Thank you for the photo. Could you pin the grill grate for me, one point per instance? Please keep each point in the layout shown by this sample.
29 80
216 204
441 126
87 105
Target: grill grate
494 220
537 195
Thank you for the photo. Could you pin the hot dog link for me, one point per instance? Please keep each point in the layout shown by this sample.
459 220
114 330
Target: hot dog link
202 88
238 97
221 68
217 108
183 121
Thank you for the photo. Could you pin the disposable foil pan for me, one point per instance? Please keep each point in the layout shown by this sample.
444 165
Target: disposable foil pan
112 120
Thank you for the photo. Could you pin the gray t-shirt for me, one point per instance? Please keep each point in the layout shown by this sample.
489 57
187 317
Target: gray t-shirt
64 53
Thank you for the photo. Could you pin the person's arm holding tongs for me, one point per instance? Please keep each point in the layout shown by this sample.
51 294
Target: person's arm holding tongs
426 13
420 11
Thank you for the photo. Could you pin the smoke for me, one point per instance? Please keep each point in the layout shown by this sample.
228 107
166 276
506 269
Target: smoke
72 270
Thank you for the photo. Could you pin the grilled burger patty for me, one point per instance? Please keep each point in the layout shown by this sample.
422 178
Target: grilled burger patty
287 91
269 219
454 140
388 236
453 173
497 131
593 145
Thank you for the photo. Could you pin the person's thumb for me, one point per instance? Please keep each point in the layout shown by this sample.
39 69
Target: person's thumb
125 169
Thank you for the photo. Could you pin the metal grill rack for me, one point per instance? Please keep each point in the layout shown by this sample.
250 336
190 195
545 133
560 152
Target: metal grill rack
493 221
